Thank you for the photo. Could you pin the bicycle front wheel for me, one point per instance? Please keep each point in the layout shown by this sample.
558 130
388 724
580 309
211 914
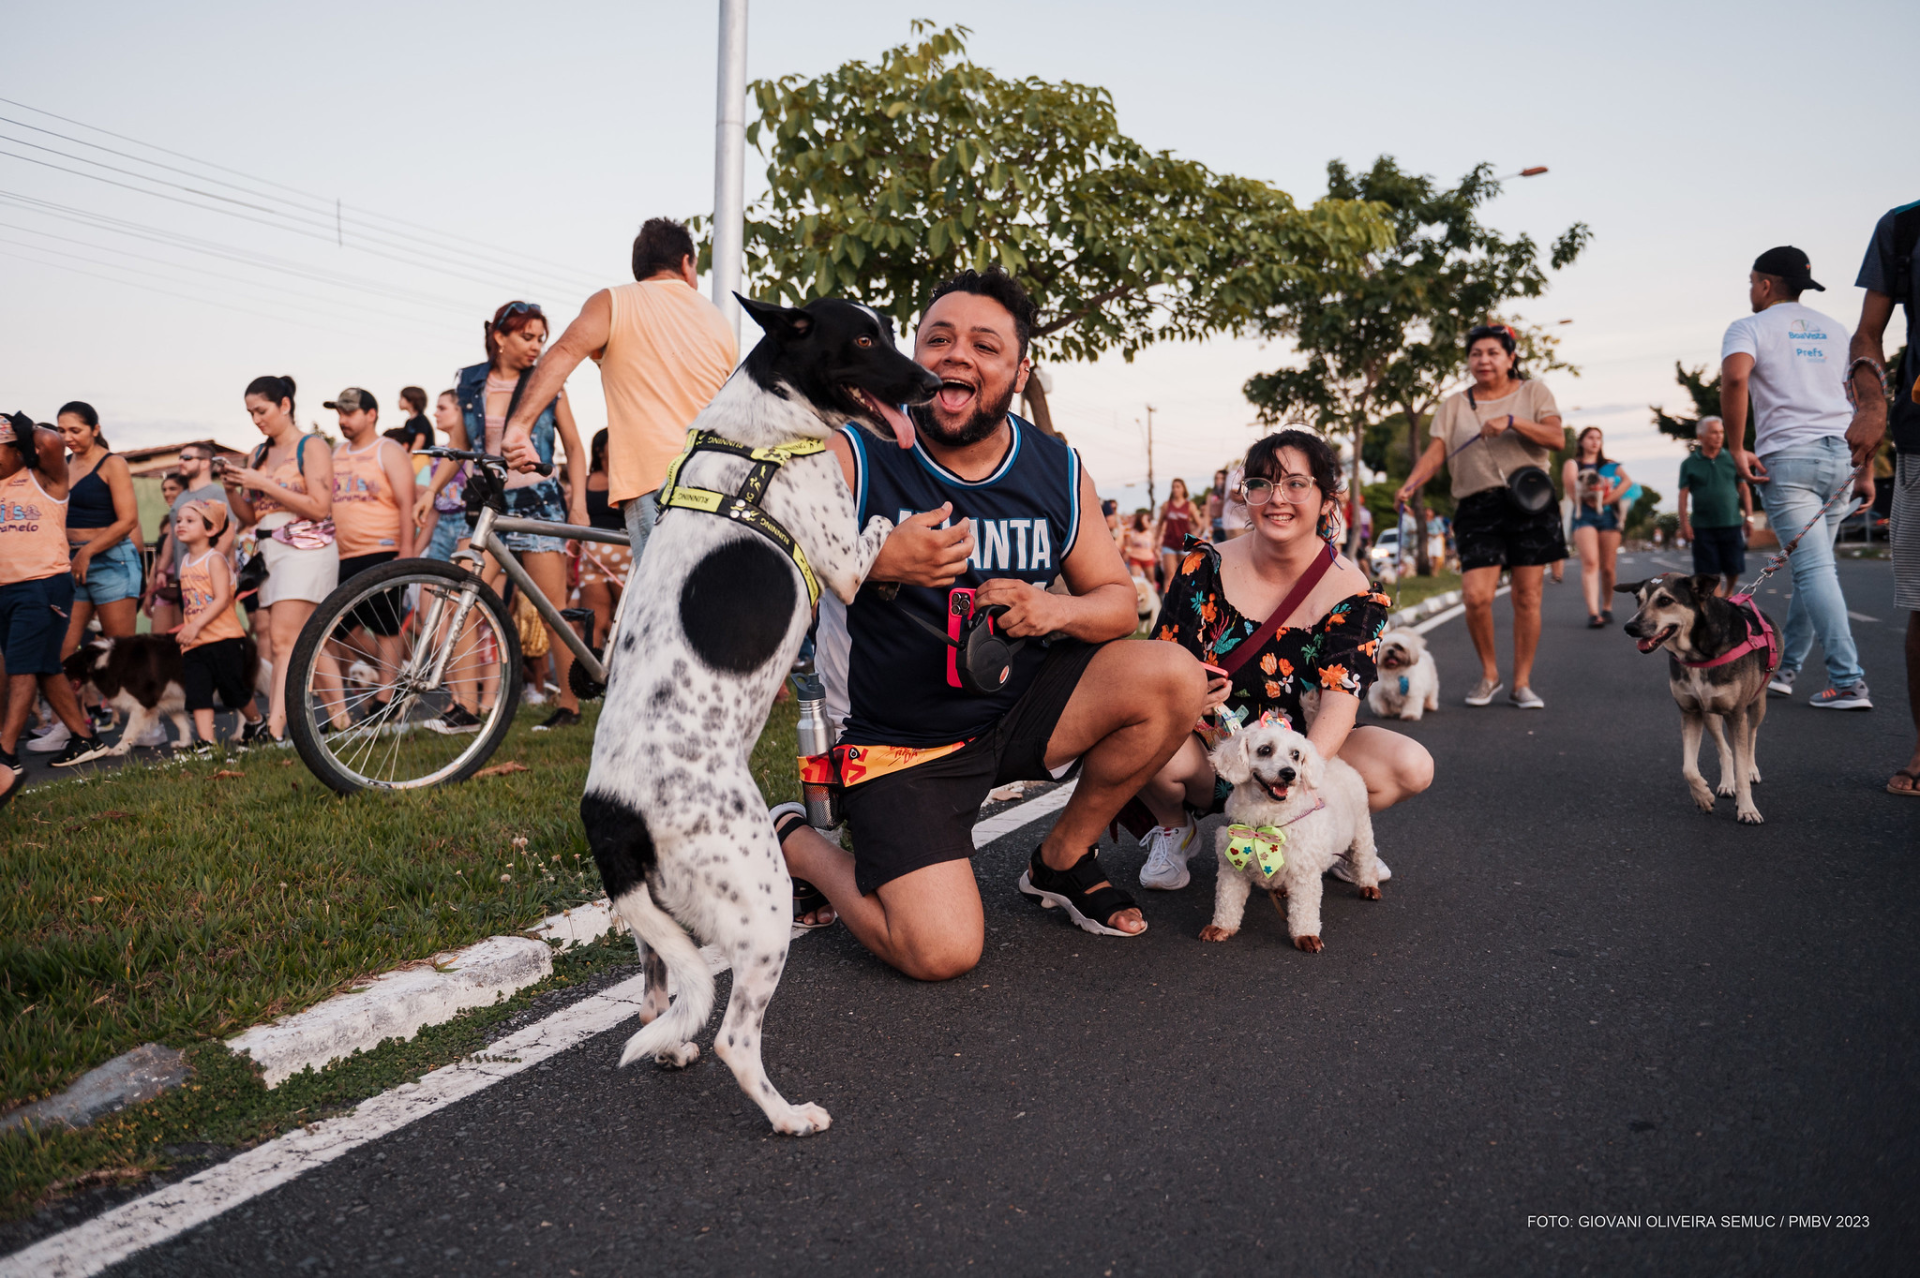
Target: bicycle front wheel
407 675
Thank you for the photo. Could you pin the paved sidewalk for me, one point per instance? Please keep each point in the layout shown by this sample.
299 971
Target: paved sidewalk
1578 997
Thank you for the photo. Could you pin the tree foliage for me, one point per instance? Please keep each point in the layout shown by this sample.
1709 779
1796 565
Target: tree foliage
1704 391
886 177
1385 332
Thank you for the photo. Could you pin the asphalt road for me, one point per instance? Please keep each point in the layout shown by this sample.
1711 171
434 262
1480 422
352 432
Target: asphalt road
1579 997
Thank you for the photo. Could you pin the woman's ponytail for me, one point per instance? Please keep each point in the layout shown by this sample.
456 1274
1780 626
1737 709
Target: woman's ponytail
273 388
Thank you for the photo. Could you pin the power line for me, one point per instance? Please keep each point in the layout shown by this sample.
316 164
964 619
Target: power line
290 222
322 200
183 297
243 257
406 321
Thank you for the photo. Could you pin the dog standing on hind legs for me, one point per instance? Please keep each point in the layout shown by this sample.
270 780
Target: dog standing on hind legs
1720 654
751 517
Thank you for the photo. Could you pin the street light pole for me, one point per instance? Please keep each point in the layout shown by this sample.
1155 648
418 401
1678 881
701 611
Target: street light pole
730 161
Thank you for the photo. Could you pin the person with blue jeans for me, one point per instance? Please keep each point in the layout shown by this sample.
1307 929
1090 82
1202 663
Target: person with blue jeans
1791 361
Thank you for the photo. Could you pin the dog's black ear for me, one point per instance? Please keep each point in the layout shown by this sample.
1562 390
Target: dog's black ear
1630 587
783 323
1705 585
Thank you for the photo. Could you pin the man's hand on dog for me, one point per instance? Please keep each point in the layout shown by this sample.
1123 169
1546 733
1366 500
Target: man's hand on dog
919 552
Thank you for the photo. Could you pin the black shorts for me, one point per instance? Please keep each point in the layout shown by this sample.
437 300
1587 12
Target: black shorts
1493 532
380 615
1720 552
906 821
220 667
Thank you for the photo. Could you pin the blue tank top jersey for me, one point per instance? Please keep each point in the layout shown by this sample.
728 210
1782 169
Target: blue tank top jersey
1024 518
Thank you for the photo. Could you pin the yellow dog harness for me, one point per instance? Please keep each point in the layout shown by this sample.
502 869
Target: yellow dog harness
744 505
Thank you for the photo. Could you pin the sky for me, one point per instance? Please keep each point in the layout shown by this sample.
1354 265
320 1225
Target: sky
485 151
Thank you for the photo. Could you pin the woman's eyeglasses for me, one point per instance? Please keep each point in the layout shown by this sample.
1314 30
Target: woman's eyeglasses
1295 488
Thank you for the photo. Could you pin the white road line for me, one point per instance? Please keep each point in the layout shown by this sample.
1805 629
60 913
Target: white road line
1449 614
112 1236
1860 616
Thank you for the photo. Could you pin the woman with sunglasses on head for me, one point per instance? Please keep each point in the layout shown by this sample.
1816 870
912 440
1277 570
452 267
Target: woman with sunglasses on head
1595 484
515 338
1503 427
1325 644
285 493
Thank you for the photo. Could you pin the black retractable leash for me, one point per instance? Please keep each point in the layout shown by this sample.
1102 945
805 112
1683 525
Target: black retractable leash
979 657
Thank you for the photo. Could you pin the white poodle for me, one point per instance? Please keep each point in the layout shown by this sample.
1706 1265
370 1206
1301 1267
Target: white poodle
1291 815
1409 682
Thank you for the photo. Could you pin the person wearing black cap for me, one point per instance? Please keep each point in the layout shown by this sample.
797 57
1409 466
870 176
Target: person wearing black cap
1791 361
1890 280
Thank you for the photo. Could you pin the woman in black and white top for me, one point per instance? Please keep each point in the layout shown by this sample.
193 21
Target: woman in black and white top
1500 425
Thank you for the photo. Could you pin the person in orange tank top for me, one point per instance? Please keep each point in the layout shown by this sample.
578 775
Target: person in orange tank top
213 649
36 594
373 503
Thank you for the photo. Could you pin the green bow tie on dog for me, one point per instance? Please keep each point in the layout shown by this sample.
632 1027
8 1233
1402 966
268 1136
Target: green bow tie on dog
1262 843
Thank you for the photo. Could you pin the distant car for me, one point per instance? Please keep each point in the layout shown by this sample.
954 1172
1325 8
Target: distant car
1385 551
1863 526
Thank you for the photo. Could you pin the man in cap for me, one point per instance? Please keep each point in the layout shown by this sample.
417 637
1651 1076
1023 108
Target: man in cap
1791 362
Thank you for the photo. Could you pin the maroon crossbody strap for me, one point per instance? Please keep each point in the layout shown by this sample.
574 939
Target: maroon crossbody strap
1258 639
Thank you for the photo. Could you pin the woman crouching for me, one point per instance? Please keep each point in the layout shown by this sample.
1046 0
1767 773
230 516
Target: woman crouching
1218 601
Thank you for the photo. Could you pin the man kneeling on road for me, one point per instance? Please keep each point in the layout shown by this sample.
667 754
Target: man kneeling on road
983 501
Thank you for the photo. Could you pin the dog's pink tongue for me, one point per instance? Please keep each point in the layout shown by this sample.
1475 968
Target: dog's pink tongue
1647 645
901 423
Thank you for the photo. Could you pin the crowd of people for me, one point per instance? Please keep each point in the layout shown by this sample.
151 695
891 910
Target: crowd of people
1118 716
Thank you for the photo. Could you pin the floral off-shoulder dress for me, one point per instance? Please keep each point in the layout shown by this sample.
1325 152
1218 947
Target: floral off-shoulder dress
1335 652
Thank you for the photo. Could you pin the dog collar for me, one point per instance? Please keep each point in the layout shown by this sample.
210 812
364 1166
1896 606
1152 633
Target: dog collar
1403 685
1760 634
1262 843
744 506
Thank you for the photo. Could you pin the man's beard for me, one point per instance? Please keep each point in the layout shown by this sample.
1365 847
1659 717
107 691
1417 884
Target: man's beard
986 419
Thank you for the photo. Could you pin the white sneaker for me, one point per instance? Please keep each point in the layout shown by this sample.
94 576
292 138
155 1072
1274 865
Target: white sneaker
52 741
156 735
1343 868
1781 685
1167 850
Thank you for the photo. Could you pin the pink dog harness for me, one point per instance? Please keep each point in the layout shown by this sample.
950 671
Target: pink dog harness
1759 634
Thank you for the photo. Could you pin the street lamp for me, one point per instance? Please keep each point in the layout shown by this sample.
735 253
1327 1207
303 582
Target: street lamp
730 160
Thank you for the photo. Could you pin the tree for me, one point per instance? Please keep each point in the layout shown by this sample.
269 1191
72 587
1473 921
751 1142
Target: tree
885 178
1385 332
1704 391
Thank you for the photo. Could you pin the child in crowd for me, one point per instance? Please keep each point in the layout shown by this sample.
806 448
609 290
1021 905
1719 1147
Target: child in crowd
212 645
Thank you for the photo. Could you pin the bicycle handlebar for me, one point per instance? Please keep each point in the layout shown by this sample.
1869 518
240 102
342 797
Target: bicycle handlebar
490 460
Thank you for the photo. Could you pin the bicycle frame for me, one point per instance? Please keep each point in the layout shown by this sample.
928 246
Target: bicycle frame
486 533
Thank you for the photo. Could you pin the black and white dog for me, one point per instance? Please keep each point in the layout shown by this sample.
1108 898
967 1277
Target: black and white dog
141 676
716 618
1717 670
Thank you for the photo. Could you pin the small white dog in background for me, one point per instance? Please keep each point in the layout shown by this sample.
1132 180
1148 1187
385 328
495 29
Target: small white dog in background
1409 682
1291 816
1146 601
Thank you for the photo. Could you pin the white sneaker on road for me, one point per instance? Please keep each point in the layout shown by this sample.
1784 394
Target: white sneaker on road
52 741
1484 692
1527 699
1781 685
1342 868
1167 850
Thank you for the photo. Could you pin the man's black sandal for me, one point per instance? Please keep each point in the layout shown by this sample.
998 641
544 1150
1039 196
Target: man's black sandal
807 898
1073 890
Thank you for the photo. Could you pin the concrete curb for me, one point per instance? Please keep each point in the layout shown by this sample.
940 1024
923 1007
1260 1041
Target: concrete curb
397 1005
132 1078
1424 609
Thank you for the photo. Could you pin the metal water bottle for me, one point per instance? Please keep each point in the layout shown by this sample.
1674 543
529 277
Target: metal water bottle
816 739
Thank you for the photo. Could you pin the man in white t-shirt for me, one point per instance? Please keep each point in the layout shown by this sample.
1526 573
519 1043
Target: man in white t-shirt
1791 360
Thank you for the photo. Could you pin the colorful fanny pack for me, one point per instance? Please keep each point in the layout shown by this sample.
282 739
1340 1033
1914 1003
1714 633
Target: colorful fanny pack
305 534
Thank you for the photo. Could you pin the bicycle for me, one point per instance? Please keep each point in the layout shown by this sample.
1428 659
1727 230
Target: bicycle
436 713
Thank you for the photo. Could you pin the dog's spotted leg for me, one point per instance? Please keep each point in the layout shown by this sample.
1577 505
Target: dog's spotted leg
1692 726
1230 890
1303 907
755 935
655 968
1716 724
1744 732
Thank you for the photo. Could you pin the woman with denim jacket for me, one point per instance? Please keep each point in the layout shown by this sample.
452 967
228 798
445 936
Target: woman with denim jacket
515 338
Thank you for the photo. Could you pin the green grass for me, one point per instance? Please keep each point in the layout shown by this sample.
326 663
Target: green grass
1412 589
183 903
